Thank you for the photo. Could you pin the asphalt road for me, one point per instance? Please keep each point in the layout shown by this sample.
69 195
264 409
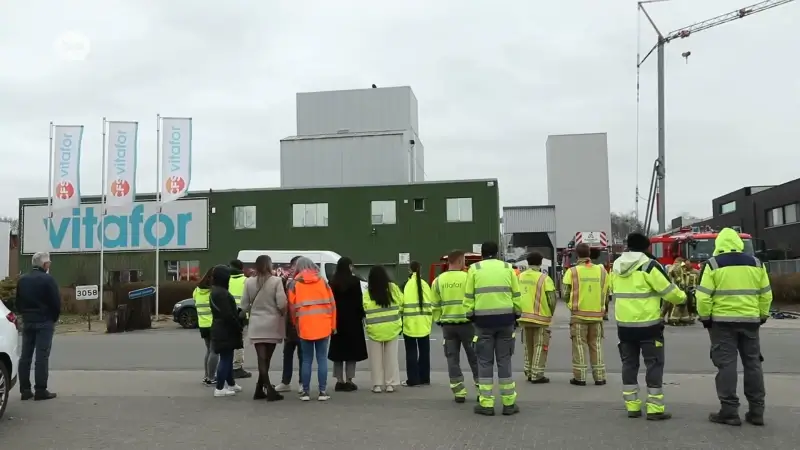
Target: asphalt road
177 349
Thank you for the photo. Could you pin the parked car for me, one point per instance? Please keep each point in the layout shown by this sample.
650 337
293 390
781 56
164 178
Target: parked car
9 355
184 313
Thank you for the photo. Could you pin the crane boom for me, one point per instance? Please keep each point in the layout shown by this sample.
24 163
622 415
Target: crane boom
724 18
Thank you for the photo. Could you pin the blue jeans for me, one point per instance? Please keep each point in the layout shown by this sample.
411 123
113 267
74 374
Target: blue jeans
37 337
225 369
308 350
289 348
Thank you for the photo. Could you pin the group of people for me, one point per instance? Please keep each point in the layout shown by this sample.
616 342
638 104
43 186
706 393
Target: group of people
480 309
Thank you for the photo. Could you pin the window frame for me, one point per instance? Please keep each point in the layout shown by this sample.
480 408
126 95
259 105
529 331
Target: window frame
657 248
383 203
242 225
459 209
786 208
771 222
731 203
414 204
321 215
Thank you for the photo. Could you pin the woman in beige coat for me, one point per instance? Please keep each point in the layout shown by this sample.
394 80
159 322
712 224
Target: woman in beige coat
265 301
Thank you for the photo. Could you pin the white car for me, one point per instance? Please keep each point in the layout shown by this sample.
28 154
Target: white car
9 355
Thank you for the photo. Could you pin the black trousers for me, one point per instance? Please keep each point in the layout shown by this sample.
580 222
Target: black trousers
418 360
727 342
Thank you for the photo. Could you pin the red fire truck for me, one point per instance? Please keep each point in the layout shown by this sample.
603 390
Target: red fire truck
441 266
597 242
693 243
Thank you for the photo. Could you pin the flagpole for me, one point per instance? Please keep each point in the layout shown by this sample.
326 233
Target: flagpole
102 219
158 203
50 188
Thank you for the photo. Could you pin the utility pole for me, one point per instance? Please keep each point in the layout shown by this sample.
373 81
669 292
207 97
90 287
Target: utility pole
660 166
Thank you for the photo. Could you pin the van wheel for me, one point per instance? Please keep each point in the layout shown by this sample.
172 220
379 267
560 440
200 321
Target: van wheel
5 386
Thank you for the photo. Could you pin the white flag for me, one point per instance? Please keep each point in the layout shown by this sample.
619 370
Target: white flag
121 170
66 174
176 158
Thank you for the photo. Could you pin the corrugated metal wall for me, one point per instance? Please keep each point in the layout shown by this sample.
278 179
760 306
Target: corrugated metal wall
578 185
381 158
529 219
357 110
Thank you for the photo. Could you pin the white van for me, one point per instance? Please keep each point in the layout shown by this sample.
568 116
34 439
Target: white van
326 260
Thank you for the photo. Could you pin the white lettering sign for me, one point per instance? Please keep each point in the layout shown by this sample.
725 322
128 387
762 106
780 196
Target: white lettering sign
89 292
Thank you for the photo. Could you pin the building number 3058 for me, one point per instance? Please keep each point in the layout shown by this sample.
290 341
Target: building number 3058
86 292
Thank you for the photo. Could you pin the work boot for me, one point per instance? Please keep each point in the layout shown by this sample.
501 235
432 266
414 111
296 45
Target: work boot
483 410
634 414
542 380
576 382
461 399
725 419
659 416
44 395
340 387
241 373
510 410
600 382
754 419
26 395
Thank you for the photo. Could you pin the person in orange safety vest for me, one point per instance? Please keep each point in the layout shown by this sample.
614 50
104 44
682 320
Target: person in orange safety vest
313 312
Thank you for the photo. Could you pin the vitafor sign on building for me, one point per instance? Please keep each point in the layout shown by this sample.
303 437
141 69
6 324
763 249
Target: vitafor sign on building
183 226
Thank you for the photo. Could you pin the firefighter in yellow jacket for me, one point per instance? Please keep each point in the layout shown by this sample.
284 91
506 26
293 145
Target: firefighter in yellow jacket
538 305
585 288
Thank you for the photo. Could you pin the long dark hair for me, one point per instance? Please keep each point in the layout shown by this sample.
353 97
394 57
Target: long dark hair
263 269
205 282
379 286
416 267
343 273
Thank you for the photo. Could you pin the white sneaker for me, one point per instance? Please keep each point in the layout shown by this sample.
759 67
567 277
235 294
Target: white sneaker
283 388
390 388
235 388
304 396
323 396
377 389
223 392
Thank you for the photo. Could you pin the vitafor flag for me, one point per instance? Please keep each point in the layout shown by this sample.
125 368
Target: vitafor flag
121 170
176 157
66 166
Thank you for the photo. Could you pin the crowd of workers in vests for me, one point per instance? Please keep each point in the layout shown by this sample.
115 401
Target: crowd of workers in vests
480 309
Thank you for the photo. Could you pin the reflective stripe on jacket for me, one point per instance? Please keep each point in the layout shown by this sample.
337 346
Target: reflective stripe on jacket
734 287
492 296
639 285
534 287
417 321
236 288
312 307
203 307
447 296
587 300
383 324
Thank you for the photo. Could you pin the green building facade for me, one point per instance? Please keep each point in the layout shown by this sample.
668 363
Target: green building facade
370 224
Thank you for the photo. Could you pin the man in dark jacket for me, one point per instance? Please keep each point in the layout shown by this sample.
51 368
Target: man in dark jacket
39 304
292 342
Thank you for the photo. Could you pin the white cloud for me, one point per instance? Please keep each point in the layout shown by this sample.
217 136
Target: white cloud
492 82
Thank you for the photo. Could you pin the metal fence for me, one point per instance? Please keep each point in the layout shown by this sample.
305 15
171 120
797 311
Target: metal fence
783 266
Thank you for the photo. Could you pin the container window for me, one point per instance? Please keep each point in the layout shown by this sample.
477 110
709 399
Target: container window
384 212
419 204
310 215
244 217
459 210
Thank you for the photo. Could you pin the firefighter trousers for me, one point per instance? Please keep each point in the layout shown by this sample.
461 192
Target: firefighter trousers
587 334
495 343
537 343
652 352
456 337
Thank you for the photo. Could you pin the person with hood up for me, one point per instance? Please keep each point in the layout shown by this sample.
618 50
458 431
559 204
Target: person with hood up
226 330
236 288
733 300
639 284
202 305
292 342
313 312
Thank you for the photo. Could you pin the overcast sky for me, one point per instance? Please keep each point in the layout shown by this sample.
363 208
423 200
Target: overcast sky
492 80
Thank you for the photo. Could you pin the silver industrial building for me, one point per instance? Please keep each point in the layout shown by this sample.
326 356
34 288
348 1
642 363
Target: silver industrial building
578 185
353 138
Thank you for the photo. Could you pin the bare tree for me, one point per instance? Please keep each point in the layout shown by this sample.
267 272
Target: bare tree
12 221
623 224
